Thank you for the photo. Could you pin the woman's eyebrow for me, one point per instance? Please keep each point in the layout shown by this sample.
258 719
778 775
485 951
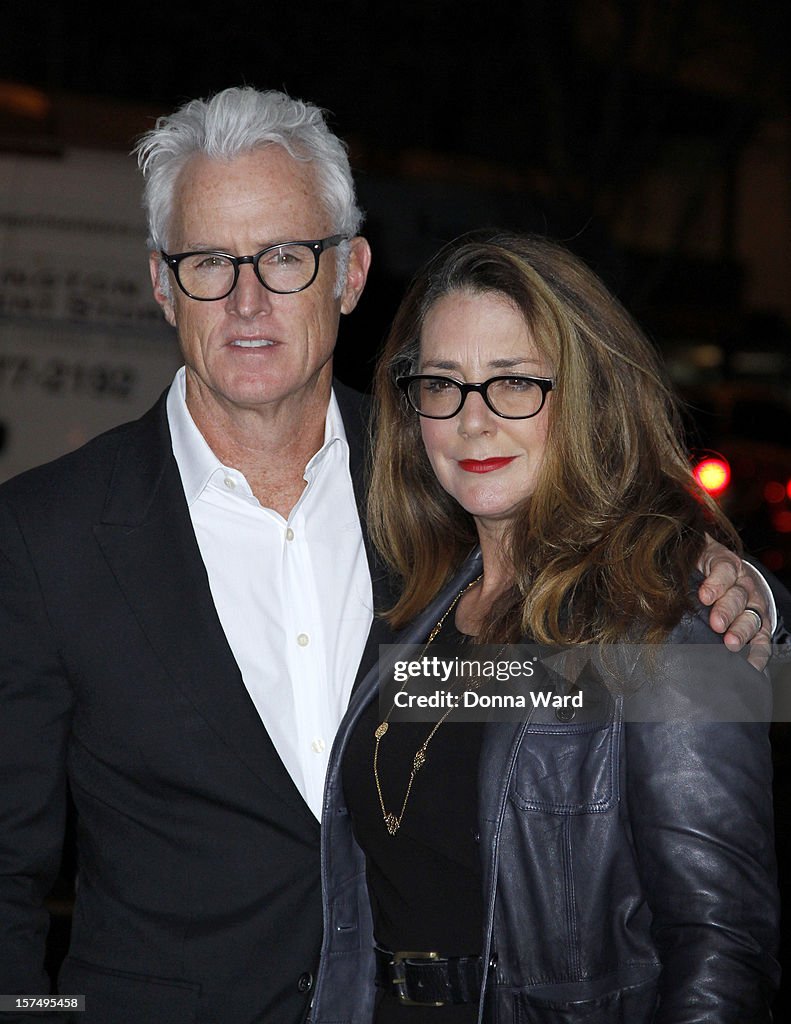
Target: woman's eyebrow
441 364
496 364
507 364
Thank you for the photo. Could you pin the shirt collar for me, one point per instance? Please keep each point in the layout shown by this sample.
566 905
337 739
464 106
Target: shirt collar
197 463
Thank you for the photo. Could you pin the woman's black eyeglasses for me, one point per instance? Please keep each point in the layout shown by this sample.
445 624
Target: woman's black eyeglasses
515 397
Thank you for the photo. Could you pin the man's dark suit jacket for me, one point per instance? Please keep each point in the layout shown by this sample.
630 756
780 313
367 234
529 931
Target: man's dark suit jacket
198 861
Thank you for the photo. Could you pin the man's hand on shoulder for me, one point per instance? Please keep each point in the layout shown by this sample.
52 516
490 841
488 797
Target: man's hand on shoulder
740 607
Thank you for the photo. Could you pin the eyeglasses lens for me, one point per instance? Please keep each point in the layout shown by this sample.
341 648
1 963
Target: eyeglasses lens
515 396
206 275
288 267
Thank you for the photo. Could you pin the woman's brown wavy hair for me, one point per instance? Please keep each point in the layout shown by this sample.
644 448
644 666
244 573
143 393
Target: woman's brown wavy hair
604 547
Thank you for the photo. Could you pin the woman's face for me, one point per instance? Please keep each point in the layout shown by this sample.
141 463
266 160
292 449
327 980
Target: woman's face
487 463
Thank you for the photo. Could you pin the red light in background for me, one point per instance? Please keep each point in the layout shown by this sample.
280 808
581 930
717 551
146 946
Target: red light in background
781 520
774 492
713 475
788 489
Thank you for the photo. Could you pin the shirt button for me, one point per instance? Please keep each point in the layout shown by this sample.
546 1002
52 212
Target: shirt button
318 745
305 983
230 483
303 639
289 534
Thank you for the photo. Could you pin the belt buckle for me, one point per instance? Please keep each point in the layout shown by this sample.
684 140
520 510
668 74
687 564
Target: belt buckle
400 983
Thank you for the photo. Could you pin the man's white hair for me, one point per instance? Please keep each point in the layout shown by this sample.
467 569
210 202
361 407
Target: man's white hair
235 122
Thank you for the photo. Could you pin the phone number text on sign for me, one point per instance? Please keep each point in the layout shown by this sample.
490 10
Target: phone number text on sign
66 377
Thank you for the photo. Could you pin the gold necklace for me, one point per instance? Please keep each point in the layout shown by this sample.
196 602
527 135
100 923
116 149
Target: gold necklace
393 821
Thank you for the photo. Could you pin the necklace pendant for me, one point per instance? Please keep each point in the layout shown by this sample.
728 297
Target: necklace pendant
392 824
381 730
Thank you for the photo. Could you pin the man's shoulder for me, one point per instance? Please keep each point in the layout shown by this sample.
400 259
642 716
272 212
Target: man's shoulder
90 466
351 401
355 407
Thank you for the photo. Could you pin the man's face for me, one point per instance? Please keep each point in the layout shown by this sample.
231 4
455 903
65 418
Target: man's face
254 348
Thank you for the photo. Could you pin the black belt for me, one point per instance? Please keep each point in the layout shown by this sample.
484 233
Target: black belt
429 979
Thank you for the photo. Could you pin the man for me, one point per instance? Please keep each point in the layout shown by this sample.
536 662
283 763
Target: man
184 602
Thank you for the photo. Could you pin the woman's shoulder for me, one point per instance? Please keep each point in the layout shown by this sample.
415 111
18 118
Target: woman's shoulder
694 677
693 627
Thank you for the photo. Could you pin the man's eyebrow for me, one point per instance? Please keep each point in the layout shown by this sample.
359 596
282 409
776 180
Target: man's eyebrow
205 247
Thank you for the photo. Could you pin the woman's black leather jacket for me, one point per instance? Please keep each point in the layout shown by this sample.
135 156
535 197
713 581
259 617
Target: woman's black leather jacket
627 854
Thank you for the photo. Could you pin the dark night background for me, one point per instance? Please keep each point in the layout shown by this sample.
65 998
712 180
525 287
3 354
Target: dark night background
652 136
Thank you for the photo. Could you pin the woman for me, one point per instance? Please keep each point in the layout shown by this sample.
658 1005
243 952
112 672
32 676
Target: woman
548 870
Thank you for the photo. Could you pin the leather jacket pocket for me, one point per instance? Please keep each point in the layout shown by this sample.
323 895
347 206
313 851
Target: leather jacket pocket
634 1004
568 769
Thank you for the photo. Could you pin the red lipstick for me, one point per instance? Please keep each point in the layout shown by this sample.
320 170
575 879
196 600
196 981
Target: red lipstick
485 465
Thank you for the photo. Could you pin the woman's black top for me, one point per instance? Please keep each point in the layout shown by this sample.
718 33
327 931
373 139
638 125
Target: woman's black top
425 881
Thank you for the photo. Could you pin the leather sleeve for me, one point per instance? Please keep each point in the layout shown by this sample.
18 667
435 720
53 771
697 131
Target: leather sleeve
35 712
700 809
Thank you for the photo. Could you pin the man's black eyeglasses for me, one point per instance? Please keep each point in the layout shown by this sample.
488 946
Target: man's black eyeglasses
283 268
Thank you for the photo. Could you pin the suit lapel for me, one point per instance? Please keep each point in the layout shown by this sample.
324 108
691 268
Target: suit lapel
147 538
356 411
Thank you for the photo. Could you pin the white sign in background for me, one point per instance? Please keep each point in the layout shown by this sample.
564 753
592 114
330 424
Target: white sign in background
83 345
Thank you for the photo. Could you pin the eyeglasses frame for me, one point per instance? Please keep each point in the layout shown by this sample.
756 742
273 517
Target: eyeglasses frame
546 384
316 245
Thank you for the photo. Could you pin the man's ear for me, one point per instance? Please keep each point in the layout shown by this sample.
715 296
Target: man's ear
356 273
164 297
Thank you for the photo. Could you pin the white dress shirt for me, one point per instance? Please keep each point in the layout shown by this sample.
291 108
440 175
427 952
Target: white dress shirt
293 596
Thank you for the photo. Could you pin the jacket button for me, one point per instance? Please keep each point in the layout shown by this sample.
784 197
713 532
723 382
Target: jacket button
565 714
305 983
